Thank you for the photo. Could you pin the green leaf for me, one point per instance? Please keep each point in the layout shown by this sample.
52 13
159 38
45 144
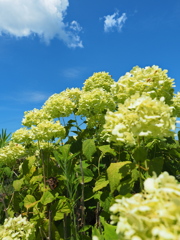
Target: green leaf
88 148
109 230
88 175
35 179
17 184
106 200
30 201
117 171
107 149
25 167
126 186
65 151
46 198
85 228
155 165
7 171
101 183
96 232
174 153
31 160
140 154
61 209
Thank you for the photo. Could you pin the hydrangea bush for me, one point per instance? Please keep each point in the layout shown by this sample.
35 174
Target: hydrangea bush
17 228
87 147
10 153
139 116
152 80
153 214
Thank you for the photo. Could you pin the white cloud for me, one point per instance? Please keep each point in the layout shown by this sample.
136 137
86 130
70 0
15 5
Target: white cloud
45 18
73 72
34 96
113 21
26 97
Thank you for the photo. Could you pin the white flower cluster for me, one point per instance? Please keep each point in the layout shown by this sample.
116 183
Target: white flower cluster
17 228
152 215
47 130
44 131
22 135
73 94
176 104
95 102
34 117
10 153
98 80
152 80
59 105
139 116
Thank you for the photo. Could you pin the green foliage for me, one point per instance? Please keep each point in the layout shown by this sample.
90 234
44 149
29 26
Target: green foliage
73 171
4 138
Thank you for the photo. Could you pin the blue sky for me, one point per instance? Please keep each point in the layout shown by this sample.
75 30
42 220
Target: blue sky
47 46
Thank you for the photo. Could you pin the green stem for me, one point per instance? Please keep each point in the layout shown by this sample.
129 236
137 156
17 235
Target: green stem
64 226
99 160
140 178
50 225
43 167
82 196
74 226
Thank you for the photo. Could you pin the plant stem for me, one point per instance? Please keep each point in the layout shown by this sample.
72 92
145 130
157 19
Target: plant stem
43 167
82 196
140 178
4 205
50 225
98 225
99 160
64 226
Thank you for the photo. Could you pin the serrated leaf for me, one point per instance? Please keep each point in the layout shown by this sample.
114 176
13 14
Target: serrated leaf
35 179
17 184
109 230
155 165
31 160
30 201
117 171
140 154
88 148
88 175
107 149
101 183
106 200
61 209
126 186
46 198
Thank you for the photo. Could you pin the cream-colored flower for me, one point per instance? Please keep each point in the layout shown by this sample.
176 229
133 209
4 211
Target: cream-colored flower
17 228
34 117
95 102
154 214
140 115
22 135
48 130
95 238
10 153
98 80
152 80
73 94
59 105
176 104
